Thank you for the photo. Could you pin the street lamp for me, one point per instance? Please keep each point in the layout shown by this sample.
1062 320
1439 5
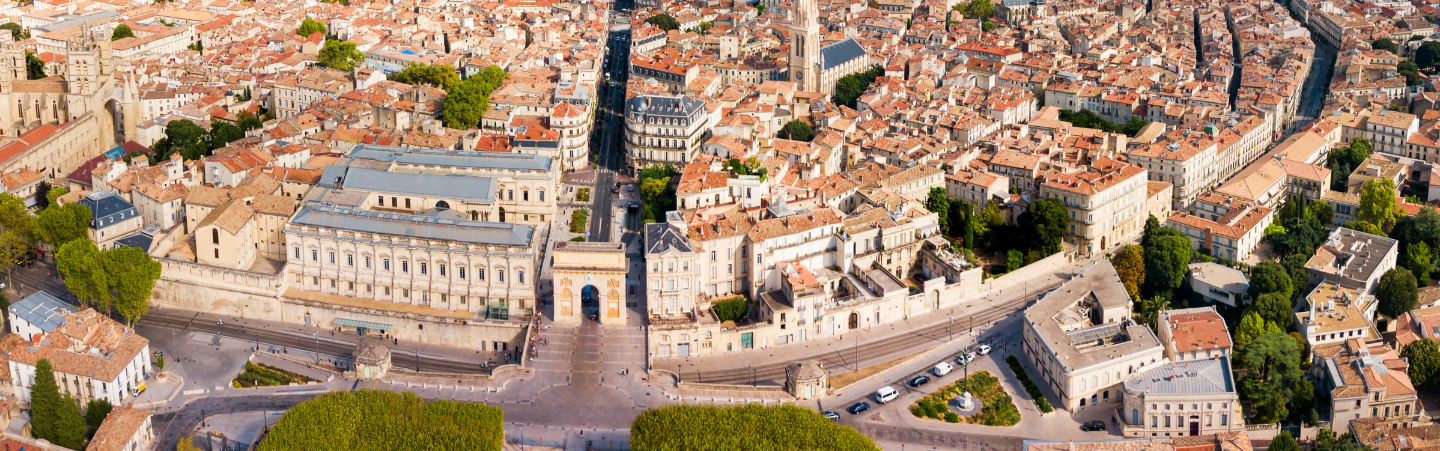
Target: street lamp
317 347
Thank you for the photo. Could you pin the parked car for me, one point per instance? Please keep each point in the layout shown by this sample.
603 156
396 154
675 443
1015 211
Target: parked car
1093 426
919 380
858 407
942 368
965 358
886 394
831 414
983 350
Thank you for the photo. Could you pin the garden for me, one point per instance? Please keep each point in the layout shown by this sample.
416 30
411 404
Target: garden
583 195
257 375
997 408
577 220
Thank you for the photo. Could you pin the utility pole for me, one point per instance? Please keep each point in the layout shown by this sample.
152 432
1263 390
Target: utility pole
949 326
857 350
317 348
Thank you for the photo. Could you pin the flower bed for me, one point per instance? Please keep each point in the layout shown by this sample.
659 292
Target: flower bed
583 195
265 375
1034 391
997 408
577 220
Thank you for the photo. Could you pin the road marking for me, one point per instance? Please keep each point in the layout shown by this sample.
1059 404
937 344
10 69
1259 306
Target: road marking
194 392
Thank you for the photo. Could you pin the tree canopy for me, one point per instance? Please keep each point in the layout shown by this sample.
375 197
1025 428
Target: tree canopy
1275 367
850 87
122 31
1251 327
1428 55
34 66
60 224
341 55
1167 259
441 76
16 32
1377 203
467 101
1345 159
1424 359
1043 224
1270 277
1088 119
751 427
120 279
1275 308
310 26
1284 442
796 130
1385 44
1396 293
663 21
937 201
373 420
1130 265
1419 261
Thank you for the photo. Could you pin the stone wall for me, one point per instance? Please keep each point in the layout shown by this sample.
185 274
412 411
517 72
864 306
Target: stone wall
251 295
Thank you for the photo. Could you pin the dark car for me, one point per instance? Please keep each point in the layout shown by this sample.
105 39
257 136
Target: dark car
919 380
831 414
1093 426
858 407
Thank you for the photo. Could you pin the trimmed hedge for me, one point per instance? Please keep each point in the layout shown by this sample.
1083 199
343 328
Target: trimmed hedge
577 220
749 427
1030 387
731 310
266 375
372 420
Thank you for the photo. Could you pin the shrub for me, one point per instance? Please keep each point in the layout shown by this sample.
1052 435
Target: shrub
917 411
731 310
382 420
160 363
1030 387
742 427
578 239
952 417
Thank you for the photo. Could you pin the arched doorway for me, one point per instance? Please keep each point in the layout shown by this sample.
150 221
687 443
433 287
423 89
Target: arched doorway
935 300
442 205
589 300
854 320
1102 244
114 118
502 215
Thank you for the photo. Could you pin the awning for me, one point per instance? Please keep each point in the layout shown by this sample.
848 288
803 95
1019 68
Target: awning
361 324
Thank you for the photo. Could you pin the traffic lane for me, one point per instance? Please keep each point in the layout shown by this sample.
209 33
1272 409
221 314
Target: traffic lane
907 392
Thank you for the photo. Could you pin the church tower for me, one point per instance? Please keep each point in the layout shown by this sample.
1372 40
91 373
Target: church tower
805 50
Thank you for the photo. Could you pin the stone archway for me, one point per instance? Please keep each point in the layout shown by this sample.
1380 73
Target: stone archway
112 122
589 280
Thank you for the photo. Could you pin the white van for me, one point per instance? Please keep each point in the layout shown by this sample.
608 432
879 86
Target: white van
942 369
886 394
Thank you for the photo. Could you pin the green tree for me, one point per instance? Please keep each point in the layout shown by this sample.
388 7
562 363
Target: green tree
1410 71
95 412
1322 211
62 224
16 32
34 66
1424 359
1275 308
1043 224
84 273
13 214
222 133
796 130
1275 366
1365 226
1377 203
937 201
383 420
1302 400
1428 54
467 101
310 26
14 245
752 427
122 31
980 9
664 22
1251 327
1418 260
53 194
1013 260
1396 292
1270 277
248 121
441 76
185 137
1385 44
1130 266
1284 442
1167 259
850 87
132 276
986 26
341 55
54 417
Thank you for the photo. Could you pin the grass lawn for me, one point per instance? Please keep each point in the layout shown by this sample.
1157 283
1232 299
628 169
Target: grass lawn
256 375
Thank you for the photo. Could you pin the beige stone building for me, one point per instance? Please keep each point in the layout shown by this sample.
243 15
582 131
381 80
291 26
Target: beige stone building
1365 379
1182 399
1226 227
93 357
1106 204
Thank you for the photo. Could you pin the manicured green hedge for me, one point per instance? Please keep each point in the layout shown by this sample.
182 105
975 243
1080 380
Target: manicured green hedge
750 427
577 220
731 310
371 420
1039 396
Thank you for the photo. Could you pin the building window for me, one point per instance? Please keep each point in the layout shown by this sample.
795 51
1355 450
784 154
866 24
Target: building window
500 275
385 263
367 262
332 257
297 252
462 272
215 236
480 274
520 276
423 269
349 259
442 270
404 266
314 255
